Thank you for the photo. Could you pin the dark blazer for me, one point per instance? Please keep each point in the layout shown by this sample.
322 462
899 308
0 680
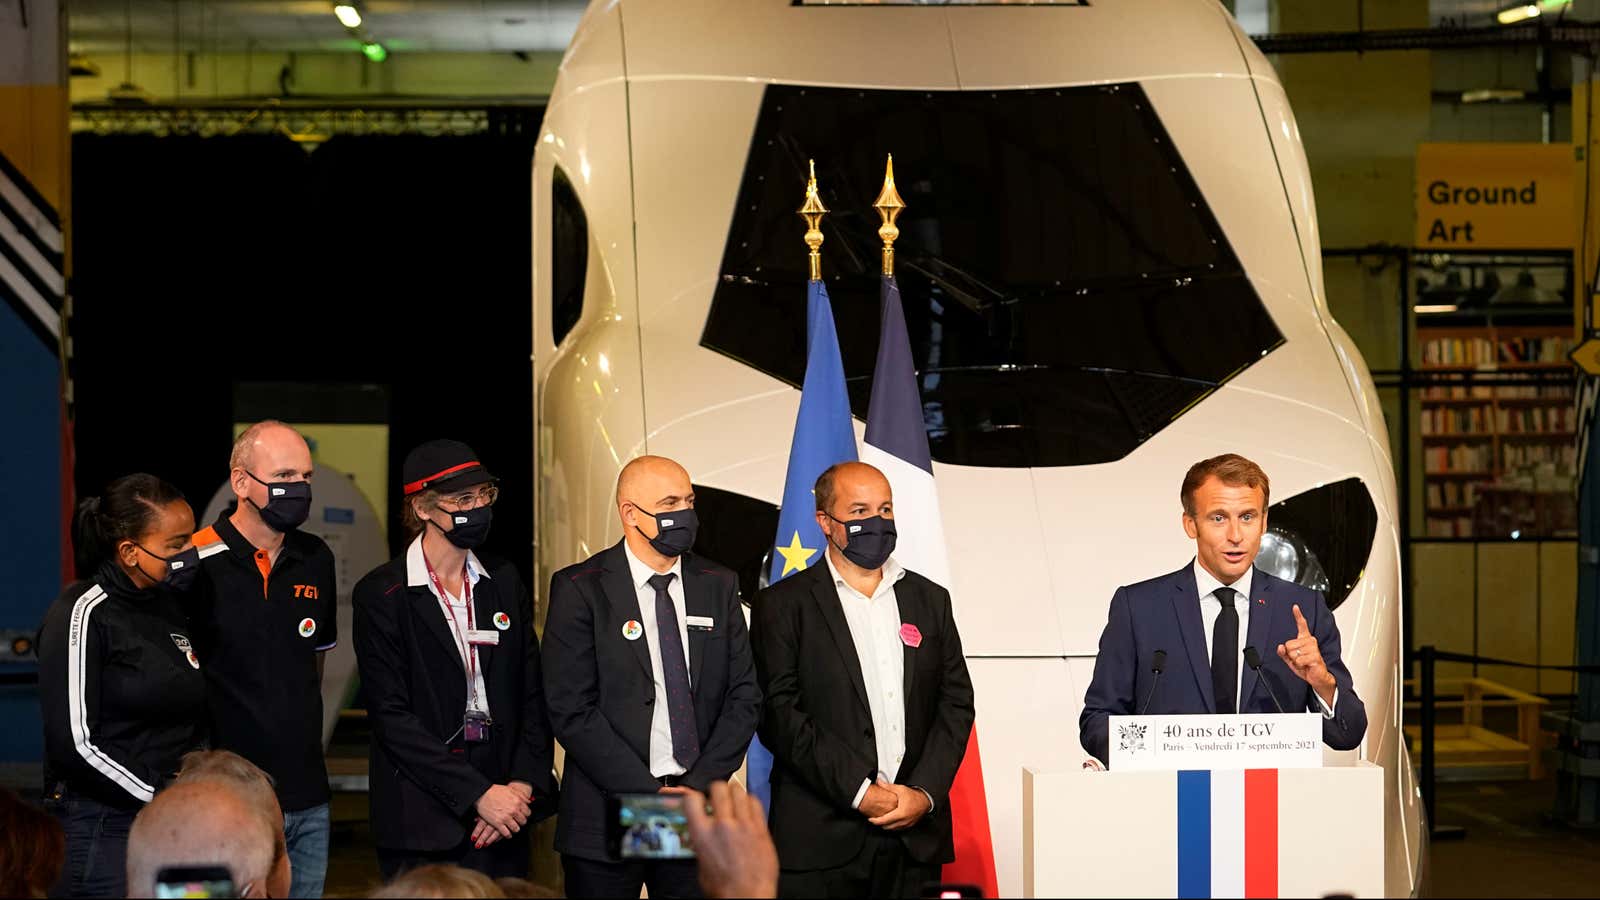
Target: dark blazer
1164 614
425 782
601 688
818 725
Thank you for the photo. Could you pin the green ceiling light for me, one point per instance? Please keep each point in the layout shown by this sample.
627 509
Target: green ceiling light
374 51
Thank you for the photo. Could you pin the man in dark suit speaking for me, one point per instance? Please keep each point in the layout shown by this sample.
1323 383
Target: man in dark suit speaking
1204 619
868 705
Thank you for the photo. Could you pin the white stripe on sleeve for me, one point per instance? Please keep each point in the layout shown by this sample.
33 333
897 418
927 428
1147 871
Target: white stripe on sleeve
77 698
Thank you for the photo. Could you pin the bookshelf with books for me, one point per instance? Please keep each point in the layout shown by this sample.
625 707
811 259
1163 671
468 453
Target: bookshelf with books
1497 424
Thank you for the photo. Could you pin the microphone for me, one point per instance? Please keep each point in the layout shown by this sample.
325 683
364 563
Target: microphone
1252 658
1158 663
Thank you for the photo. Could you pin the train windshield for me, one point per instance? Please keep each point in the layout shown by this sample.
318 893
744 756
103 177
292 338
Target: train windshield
1067 290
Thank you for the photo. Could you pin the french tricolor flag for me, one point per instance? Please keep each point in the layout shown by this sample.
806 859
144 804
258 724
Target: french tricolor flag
897 444
1228 833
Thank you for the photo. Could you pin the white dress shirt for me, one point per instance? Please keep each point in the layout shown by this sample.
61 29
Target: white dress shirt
417 576
662 762
1211 608
875 631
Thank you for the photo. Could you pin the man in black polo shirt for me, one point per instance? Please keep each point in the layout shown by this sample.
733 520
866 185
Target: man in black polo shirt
263 611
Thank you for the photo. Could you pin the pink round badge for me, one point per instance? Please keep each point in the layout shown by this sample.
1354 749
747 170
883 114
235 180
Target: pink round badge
910 636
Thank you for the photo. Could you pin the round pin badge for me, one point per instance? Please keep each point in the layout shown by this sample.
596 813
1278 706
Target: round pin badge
632 630
193 660
308 627
502 621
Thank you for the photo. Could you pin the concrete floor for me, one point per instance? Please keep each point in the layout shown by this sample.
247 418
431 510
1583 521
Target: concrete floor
1511 849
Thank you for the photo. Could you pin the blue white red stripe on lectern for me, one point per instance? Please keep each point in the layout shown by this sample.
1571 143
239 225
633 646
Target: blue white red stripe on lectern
1194 834
1261 833
1228 833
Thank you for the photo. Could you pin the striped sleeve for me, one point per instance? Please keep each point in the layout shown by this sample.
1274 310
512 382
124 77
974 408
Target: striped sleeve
208 542
83 692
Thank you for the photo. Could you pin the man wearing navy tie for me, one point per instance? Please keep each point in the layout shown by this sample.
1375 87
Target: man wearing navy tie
1205 618
648 676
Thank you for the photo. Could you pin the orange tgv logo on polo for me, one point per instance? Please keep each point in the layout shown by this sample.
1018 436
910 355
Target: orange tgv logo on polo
308 591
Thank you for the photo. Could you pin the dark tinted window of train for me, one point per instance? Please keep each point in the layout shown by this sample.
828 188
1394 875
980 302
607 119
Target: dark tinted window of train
1322 538
1067 289
737 531
569 256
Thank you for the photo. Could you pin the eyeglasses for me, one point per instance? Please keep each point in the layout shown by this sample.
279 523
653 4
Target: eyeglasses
484 496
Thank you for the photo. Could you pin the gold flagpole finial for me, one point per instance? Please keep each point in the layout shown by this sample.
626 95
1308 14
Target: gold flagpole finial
813 211
888 206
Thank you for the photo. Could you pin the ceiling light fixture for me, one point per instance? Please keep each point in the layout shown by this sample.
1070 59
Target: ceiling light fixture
374 51
349 16
1484 95
1515 14
1524 11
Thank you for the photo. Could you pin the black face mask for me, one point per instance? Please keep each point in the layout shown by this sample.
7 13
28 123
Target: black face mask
469 527
288 503
868 542
182 567
675 531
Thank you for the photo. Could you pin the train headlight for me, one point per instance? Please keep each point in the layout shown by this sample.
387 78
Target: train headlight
1321 538
1286 555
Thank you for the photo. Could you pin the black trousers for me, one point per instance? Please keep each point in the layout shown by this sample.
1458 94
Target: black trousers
502 859
97 847
665 877
883 868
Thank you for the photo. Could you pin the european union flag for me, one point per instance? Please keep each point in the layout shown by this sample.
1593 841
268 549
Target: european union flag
823 435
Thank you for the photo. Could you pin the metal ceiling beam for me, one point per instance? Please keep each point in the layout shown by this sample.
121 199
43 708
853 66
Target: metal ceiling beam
307 124
1577 37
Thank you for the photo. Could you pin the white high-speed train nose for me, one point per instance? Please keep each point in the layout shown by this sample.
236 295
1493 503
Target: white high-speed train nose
1110 269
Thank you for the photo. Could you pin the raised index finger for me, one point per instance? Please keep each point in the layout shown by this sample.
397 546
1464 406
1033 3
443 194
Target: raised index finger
1300 622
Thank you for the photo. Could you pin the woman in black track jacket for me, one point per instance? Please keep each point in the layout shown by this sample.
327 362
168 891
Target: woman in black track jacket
119 685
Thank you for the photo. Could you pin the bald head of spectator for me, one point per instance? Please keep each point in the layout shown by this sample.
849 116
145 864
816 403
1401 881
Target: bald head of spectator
440 881
256 785
203 822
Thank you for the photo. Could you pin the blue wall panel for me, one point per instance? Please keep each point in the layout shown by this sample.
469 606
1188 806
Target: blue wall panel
30 517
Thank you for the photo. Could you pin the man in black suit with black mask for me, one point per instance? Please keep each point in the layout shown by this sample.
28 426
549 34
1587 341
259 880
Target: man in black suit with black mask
868 706
649 679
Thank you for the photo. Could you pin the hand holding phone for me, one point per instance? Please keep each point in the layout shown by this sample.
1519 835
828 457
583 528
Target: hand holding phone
737 856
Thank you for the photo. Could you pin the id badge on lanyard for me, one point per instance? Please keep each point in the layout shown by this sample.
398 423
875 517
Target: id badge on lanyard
475 723
475 727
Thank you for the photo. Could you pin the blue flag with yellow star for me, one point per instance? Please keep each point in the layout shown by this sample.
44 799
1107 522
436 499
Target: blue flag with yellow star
823 435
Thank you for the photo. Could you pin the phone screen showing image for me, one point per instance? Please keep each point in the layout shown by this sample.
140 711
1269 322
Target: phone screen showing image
650 826
206 881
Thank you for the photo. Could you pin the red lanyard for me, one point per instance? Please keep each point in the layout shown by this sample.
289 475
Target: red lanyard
469 653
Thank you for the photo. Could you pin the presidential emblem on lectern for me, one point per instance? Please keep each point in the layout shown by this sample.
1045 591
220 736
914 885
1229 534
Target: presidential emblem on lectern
1130 737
